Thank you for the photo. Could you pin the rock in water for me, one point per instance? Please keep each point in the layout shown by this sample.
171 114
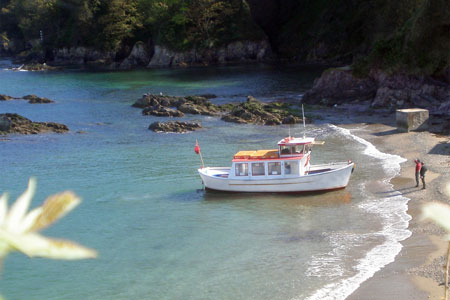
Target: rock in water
5 97
161 111
254 111
178 127
196 105
33 99
14 123
5 123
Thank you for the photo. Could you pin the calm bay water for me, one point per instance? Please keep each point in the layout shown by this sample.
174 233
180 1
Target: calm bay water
159 235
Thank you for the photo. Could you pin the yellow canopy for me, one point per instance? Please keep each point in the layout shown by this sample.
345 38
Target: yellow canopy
255 154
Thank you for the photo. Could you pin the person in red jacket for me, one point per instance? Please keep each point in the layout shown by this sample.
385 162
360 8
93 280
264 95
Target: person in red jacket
418 167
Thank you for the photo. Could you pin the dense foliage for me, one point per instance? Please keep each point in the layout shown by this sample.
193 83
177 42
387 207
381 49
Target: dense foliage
111 24
391 35
402 35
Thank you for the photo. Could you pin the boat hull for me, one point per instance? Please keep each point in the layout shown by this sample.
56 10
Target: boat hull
321 178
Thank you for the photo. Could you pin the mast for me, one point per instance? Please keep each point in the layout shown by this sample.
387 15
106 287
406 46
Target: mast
304 125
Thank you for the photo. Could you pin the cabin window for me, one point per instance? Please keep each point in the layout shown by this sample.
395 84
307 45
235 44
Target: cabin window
241 169
274 168
258 169
285 149
307 148
291 168
298 149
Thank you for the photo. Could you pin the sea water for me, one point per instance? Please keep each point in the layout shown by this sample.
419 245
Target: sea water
158 233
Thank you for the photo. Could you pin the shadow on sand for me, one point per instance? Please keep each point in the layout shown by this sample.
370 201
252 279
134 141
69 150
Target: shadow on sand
389 132
443 148
399 192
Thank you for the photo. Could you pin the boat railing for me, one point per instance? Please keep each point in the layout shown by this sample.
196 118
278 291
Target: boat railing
220 168
341 163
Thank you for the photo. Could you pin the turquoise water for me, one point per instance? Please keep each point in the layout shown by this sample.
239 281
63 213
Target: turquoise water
158 234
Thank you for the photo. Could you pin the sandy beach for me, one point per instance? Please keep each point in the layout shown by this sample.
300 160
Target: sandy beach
418 270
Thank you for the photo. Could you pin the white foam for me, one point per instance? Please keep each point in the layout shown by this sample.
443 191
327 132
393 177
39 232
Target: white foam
395 221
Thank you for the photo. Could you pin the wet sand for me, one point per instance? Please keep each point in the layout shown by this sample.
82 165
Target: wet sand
418 270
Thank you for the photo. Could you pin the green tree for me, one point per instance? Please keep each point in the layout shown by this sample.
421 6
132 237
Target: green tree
119 20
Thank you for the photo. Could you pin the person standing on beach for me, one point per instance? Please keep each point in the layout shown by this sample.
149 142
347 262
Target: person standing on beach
423 170
418 167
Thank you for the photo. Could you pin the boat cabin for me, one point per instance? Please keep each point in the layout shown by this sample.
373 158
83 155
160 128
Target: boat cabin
291 159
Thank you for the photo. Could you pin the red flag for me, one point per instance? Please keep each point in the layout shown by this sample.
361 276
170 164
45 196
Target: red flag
197 147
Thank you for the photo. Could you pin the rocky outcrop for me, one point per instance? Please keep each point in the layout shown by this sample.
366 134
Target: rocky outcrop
139 56
406 91
143 55
234 52
5 97
82 55
160 105
177 127
339 86
161 111
254 111
34 67
445 107
14 123
33 99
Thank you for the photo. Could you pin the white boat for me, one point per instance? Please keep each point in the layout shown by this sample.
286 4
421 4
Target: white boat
283 170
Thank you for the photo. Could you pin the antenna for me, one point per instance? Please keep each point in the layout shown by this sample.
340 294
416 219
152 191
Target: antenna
304 125
289 127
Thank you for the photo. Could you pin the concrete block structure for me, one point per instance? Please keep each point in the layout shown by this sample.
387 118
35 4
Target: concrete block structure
412 119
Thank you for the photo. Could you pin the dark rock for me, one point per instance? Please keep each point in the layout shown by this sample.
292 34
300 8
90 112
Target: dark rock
195 105
195 109
189 108
33 99
161 111
256 112
152 100
178 127
82 55
38 67
5 97
445 107
233 52
5 123
273 121
233 119
22 125
251 99
403 91
139 56
291 120
337 86
208 96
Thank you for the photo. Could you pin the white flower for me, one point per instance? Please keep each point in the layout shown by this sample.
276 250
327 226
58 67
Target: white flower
439 213
19 229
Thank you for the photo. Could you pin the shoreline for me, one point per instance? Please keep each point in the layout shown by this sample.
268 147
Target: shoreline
416 272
